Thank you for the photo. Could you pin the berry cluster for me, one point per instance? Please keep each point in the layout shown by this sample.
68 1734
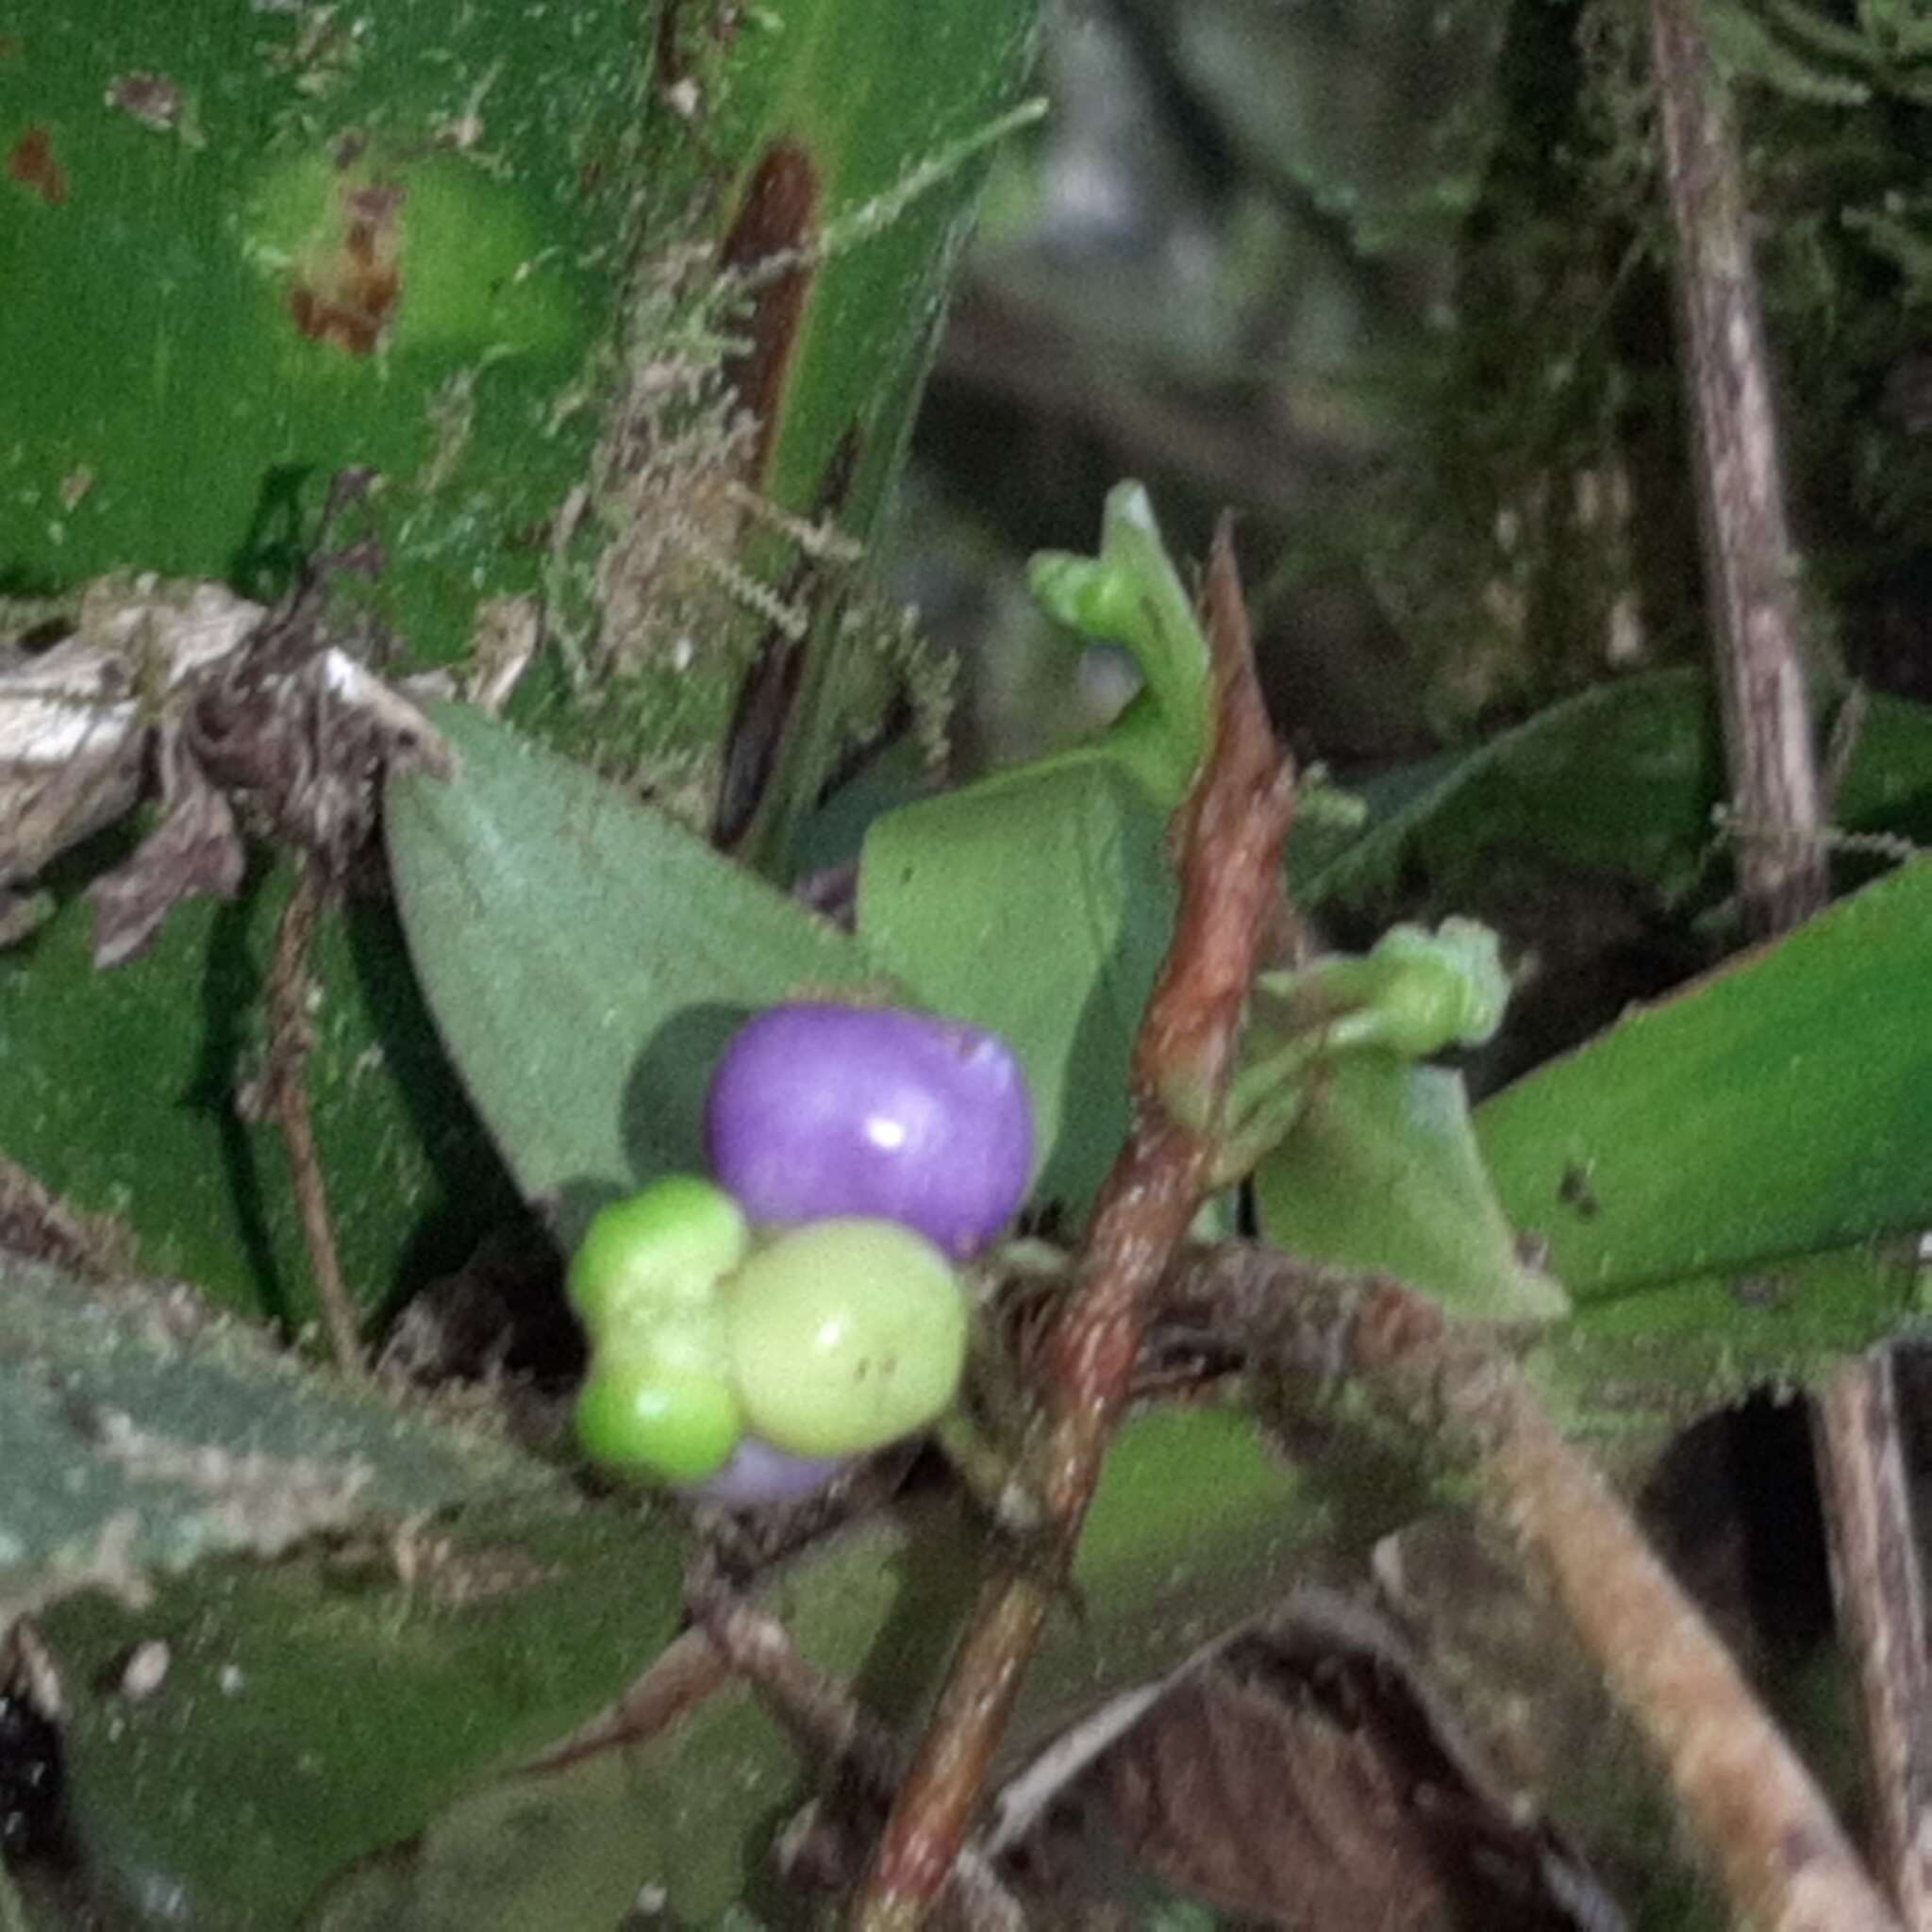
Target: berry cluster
750 1333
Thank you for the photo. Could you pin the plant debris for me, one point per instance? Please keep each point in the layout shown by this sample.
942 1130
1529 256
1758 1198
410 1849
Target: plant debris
239 717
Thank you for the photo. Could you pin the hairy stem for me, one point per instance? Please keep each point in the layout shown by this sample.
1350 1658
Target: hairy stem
1784 1861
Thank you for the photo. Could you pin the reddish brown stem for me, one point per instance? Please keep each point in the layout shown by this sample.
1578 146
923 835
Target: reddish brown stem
1230 836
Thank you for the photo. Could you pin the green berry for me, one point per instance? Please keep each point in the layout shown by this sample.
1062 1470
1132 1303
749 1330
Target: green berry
661 1249
666 1421
844 1335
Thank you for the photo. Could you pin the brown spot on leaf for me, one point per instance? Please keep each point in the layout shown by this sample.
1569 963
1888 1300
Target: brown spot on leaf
349 292
769 247
153 99
33 165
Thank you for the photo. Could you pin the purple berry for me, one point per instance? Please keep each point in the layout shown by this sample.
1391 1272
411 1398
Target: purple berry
826 1110
758 1477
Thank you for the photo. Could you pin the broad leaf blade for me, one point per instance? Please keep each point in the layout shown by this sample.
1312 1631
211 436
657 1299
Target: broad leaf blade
516 1626
1637 1365
586 959
1778 1107
321 1708
139 1429
1381 1172
1040 905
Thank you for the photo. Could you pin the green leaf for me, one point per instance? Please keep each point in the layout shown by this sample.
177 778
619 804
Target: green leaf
586 958
181 406
693 1811
1638 1364
140 1428
186 409
1380 1171
317 1710
319 1714
1623 778
1780 1107
1037 902
127 1103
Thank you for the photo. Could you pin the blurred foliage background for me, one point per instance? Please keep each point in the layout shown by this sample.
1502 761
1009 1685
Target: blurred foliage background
1391 282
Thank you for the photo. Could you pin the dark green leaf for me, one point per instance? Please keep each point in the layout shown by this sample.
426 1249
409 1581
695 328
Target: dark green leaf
322 1712
128 1101
140 1429
319 1708
694 1812
1639 1363
1623 778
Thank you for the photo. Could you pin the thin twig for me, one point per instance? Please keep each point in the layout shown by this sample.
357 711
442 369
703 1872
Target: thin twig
818 1709
1785 1863
1750 566
837 1736
291 1034
1879 1589
1749 561
1231 839
34 1221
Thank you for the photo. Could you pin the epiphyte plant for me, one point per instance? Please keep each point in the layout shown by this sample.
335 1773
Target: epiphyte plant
747 1338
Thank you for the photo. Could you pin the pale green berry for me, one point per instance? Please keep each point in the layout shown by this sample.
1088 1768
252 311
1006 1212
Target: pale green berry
844 1335
661 1249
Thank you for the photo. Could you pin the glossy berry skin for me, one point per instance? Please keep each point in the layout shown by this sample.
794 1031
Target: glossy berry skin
843 1337
667 1421
819 1111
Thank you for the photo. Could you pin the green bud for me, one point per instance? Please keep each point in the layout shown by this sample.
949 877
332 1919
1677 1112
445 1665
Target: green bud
1435 990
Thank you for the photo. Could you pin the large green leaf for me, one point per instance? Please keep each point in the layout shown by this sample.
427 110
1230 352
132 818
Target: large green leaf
587 958
1039 904
322 1712
185 185
1780 1107
1380 1171
692 1813
185 408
